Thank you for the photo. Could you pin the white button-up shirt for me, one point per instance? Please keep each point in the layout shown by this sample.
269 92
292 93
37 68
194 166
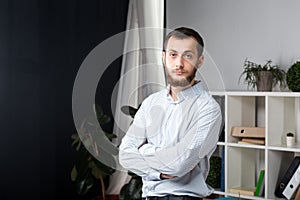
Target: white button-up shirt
181 136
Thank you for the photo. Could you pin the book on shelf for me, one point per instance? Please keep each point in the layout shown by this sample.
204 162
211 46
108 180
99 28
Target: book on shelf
283 182
243 190
292 185
260 186
249 132
252 141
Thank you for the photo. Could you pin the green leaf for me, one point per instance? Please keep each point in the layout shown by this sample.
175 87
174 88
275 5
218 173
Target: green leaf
98 110
214 175
107 146
106 170
84 185
97 173
101 117
110 135
74 173
132 190
81 162
123 192
74 136
76 140
128 110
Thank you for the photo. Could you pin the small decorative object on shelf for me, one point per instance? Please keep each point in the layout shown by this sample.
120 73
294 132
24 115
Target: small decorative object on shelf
293 77
263 77
290 139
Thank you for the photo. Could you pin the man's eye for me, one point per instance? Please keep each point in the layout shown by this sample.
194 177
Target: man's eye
188 56
173 54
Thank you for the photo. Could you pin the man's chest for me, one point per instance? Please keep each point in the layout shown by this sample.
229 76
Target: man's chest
168 123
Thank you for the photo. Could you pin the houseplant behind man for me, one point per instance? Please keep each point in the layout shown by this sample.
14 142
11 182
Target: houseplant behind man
176 130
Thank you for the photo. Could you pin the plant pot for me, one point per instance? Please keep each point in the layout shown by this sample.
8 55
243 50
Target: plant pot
109 197
290 141
264 81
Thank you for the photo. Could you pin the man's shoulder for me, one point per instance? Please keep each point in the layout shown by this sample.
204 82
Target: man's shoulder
205 98
155 97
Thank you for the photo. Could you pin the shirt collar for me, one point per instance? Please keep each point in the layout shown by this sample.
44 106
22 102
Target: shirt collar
190 92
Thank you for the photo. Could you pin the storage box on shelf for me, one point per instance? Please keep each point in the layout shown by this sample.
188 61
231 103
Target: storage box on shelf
278 113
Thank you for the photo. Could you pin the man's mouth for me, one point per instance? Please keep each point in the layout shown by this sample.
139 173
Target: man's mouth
179 72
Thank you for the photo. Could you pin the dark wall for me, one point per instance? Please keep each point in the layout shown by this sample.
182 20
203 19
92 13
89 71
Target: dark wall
42 44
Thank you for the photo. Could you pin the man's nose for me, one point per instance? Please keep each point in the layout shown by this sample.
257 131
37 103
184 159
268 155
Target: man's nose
179 62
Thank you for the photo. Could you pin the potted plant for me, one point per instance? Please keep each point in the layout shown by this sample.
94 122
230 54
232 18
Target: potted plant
263 77
293 77
214 174
87 168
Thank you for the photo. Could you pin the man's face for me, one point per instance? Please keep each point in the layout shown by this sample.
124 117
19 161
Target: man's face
181 61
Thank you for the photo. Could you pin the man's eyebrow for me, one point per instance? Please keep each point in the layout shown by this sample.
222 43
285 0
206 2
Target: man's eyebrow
187 51
171 50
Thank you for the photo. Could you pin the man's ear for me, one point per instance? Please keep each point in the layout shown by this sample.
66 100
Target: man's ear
164 58
200 61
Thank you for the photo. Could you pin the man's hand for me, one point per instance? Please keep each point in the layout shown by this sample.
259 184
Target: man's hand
166 176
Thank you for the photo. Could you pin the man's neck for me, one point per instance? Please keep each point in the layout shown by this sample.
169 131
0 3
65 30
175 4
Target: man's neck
175 90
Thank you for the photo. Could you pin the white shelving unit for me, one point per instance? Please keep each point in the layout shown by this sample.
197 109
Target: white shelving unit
278 113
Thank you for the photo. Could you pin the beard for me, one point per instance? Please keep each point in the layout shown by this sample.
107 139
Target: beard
183 82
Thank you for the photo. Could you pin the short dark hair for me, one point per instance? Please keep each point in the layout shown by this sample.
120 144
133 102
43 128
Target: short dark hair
183 33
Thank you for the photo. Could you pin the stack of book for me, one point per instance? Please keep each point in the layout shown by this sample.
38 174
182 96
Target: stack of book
252 141
249 191
249 135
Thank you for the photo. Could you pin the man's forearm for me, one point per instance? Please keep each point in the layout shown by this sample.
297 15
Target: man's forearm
184 156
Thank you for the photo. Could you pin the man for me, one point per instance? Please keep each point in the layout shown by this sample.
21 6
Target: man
176 130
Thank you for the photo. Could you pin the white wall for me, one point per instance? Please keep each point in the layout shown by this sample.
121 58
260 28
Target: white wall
236 29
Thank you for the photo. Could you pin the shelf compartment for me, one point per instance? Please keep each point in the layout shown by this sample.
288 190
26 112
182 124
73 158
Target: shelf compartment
243 111
283 117
278 163
245 197
243 166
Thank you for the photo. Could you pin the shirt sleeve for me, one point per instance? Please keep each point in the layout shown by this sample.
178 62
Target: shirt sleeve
147 149
129 156
200 140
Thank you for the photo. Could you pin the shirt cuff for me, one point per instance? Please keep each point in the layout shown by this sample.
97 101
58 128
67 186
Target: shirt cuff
153 176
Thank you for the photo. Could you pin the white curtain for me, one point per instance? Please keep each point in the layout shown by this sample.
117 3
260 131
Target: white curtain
142 71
